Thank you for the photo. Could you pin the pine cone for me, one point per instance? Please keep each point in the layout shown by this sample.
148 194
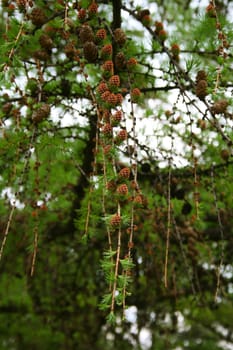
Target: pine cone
41 55
138 199
143 13
122 190
112 99
46 42
116 118
90 51
41 113
82 14
115 220
225 155
201 124
119 36
107 129
135 94
106 51
107 149
93 9
131 63
121 136
201 89
211 10
86 34
219 106
101 34
146 20
70 50
162 35
192 250
106 116
110 185
201 75
120 61
125 173
108 66
141 200
38 17
158 27
105 95
114 80
102 87
175 49
119 99
108 69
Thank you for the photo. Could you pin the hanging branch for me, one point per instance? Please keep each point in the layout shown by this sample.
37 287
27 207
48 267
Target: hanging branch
169 208
35 212
133 162
221 230
196 193
221 50
10 217
117 262
94 128
35 244
186 264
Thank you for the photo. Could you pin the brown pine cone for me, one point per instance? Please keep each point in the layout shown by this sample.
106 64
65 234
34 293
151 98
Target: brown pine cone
41 55
116 118
101 34
86 34
120 36
219 106
46 42
125 173
120 61
122 189
115 220
201 89
201 75
41 113
107 129
90 51
38 17
70 50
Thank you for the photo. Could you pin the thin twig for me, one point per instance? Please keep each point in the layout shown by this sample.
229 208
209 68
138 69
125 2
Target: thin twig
114 288
15 43
218 272
7 228
168 225
35 248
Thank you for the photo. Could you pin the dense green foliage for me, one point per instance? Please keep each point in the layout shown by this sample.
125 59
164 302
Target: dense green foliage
116 175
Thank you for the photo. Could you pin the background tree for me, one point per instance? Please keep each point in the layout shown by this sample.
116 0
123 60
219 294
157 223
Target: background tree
116 175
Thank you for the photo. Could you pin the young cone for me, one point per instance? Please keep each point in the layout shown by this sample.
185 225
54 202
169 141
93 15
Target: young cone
38 17
115 220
